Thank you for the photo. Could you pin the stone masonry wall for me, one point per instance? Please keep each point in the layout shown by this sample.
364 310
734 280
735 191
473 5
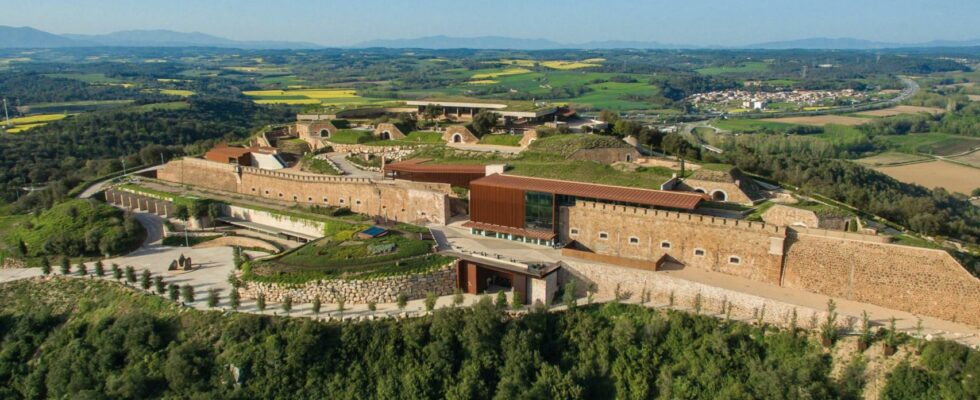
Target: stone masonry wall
382 290
733 193
789 216
632 283
399 201
758 246
917 280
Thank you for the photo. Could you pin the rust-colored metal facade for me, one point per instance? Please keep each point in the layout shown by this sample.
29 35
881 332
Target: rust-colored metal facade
421 171
472 278
496 205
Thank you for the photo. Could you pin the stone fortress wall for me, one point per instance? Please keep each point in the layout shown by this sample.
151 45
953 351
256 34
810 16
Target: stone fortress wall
858 267
913 279
694 240
399 201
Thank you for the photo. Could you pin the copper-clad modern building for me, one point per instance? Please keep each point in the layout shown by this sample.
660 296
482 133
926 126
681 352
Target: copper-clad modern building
526 209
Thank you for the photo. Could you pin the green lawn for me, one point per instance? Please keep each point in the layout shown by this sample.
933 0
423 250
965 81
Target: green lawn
502 140
352 136
343 256
411 139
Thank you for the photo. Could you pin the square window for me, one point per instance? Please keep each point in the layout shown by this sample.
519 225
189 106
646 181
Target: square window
253 189
309 198
280 194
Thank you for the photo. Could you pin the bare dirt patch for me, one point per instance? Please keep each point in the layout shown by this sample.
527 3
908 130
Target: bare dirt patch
973 97
821 120
972 159
891 158
898 110
952 177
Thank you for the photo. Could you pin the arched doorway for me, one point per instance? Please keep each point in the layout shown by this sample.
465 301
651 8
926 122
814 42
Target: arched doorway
629 158
385 135
324 133
719 195
457 138
699 190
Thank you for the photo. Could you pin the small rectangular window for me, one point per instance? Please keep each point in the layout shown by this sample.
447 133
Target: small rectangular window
603 235
634 240
699 252
734 260
573 231
665 245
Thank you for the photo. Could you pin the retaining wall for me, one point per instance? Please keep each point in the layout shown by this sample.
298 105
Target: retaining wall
442 282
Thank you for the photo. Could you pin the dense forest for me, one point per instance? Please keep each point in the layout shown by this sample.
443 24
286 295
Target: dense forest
92 340
61 154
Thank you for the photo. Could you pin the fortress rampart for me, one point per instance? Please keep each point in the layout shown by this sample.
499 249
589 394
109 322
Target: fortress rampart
401 201
858 267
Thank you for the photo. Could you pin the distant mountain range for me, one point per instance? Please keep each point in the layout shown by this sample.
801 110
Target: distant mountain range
26 37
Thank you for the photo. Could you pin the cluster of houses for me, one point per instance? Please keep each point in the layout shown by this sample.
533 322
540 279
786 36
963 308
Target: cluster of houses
760 100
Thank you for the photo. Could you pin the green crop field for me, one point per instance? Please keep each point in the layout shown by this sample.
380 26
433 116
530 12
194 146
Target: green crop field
931 143
748 125
747 67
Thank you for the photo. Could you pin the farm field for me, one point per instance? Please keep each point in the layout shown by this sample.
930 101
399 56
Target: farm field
891 158
821 120
899 110
557 64
177 92
92 78
33 121
496 73
749 125
950 176
941 144
972 159
71 106
619 96
307 96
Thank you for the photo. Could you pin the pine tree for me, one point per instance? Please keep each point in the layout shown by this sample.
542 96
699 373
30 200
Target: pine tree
568 297
402 301
213 297
116 272
161 287
65 266
145 280
99 269
515 300
457 297
82 269
316 305
130 274
173 292
234 299
260 301
45 266
501 300
187 293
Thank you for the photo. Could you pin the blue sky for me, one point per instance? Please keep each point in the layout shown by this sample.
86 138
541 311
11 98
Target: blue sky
694 22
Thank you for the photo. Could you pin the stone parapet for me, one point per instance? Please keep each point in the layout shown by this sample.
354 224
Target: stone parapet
686 217
441 282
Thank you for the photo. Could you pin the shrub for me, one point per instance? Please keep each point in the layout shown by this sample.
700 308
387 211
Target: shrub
260 301
145 280
160 286
65 266
173 292
213 297
234 299
316 305
99 269
116 272
402 301
187 293
430 301
82 269
287 304
372 306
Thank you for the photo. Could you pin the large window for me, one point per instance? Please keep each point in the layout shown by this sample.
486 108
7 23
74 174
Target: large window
539 211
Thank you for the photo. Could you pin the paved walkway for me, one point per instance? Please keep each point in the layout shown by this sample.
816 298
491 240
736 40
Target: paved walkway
459 239
348 167
488 148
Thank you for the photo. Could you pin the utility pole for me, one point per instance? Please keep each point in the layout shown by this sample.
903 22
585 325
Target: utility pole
5 113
